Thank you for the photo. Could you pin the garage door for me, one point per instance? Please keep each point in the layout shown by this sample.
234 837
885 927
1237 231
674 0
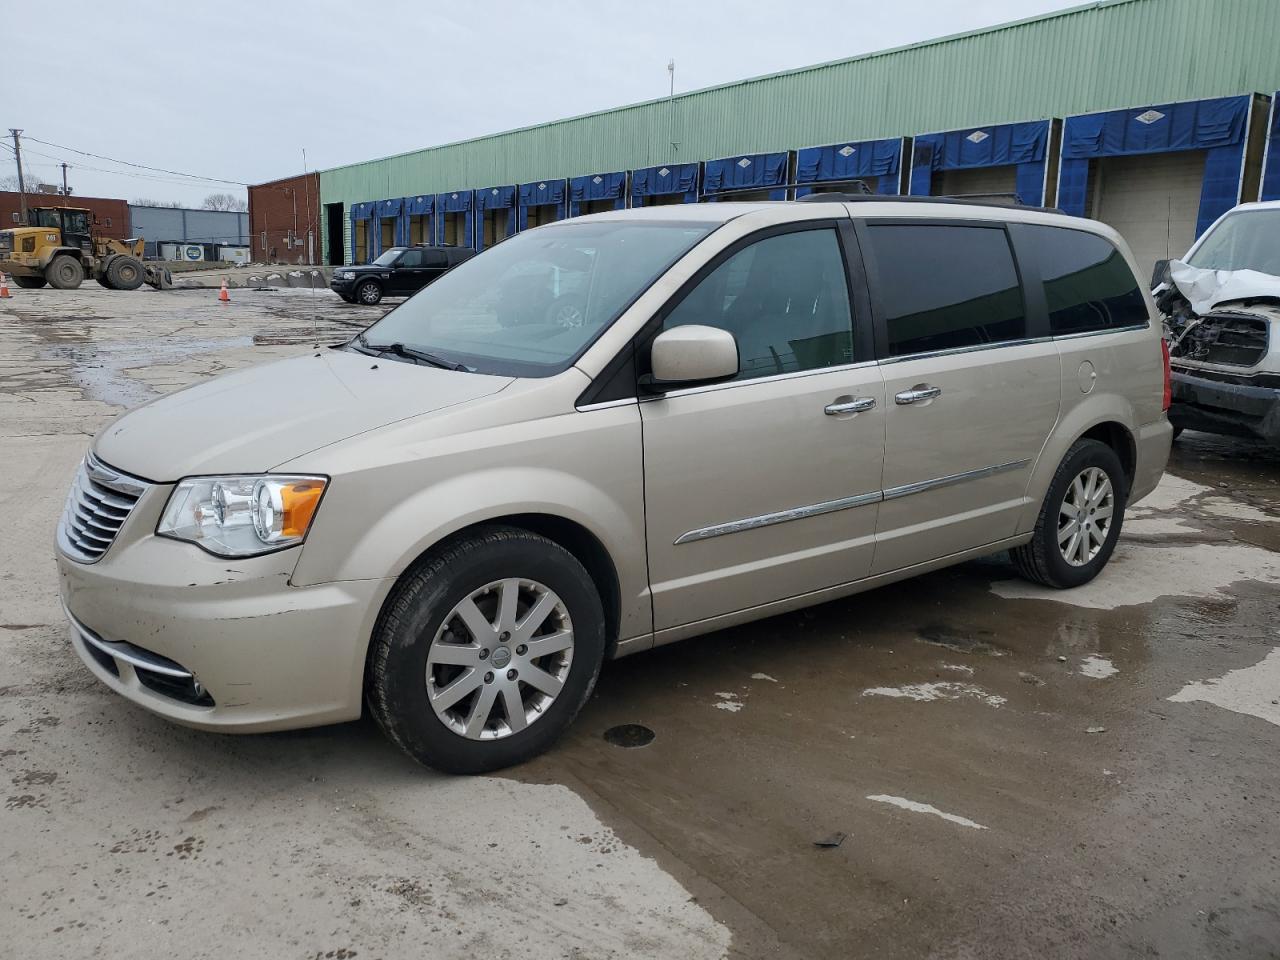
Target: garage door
1152 200
976 182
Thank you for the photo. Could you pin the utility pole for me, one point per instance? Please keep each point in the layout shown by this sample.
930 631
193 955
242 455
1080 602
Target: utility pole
66 191
22 186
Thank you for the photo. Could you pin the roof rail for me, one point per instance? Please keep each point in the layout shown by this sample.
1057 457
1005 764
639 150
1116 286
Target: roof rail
985 201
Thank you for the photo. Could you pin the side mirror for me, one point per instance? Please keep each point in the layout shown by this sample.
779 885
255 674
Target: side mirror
690 356
1160 273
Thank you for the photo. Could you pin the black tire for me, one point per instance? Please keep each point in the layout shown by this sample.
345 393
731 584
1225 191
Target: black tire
369 293
64 272
396 672
1177 432
102 281
1042 560
30 283
125 273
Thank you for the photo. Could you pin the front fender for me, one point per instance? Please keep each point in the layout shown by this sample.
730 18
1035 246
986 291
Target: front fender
46 256
584 467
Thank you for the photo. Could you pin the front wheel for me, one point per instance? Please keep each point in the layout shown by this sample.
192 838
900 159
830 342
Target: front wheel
369 292
1079 522
30 283
486 652
64 272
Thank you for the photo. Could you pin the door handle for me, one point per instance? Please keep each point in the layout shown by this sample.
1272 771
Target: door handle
917 395
856 405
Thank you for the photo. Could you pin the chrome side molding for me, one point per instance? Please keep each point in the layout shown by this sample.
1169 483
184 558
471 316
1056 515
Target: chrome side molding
782 516
846 503
907 489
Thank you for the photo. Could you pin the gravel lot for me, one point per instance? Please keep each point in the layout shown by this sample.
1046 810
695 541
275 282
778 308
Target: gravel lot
1016 772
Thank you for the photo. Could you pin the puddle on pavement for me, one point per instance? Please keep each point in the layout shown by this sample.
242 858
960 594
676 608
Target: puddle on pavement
100 369
629 735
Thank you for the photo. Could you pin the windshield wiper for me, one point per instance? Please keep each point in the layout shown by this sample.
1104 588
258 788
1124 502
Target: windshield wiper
410 353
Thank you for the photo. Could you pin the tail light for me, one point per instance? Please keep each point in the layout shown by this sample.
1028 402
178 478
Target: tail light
1168 375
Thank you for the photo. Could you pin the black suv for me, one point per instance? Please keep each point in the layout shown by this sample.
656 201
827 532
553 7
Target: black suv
399 272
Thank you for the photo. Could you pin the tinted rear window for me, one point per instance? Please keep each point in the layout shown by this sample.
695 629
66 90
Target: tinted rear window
943 287
1087 284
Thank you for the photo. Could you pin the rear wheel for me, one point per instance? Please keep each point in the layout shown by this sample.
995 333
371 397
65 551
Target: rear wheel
30 283
64 272
124 273
369 292
1080 520
486 652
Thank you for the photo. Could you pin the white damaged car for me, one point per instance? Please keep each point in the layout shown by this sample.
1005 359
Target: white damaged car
1221 306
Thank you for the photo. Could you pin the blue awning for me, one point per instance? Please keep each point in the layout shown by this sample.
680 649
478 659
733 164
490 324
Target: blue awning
458 202
668 178
994 146
1216 126
1193 125
389 208
849 161
541 193
1271 166
600 186
495 198
744 172
362 211
417 206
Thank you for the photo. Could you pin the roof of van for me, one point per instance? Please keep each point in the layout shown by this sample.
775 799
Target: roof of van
907 207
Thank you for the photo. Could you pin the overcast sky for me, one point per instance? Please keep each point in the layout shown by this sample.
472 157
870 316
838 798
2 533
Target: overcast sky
235 90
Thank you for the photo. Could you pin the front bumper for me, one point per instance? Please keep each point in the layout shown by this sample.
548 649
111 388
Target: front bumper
341 286
154 617
1216 406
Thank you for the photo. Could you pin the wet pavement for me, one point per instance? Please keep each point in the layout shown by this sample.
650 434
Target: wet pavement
1016 772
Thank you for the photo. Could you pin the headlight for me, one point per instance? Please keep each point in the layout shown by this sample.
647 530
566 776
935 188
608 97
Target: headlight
242 516
345 275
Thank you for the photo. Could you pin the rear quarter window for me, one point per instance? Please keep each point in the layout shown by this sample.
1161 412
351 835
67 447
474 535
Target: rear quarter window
1088 286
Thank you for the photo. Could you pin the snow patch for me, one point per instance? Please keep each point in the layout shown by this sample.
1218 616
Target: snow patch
763 676
1252 691
1098 667
729 701
947 690
1141 573
917 807
958 668
1234 510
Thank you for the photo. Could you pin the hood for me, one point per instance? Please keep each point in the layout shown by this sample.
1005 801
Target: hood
250 421
1205 289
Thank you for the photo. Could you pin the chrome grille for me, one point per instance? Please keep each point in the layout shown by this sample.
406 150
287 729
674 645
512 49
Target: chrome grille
100 501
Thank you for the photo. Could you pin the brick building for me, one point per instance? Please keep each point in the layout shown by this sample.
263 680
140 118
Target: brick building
284 220
110 216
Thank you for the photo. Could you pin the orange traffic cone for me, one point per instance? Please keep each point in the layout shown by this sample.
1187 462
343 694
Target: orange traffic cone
223 296
4 288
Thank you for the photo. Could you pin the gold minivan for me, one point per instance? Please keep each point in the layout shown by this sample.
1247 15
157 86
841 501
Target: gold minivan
606 434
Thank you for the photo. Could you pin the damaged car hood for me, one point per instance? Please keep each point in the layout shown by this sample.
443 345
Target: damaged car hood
255 419
1205 289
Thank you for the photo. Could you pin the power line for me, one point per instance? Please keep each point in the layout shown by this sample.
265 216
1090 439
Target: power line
115 173
140 166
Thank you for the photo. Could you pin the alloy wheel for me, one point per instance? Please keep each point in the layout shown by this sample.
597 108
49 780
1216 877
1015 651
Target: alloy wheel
500 659
1084 519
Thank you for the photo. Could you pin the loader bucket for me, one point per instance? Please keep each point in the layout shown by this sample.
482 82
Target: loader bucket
159 277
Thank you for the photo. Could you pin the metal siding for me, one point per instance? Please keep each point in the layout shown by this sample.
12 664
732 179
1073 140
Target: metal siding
1096 57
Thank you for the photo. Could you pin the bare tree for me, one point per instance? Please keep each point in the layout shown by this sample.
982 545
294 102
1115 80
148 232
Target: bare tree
9 183
145 202
225 201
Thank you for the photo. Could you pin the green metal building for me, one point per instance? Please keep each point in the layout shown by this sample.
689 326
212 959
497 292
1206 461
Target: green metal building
1125 69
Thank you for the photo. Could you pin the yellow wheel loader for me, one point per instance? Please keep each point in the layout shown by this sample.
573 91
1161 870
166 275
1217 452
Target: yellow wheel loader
57 247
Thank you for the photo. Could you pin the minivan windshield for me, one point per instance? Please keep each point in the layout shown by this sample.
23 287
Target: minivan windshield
1249 240
529 306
